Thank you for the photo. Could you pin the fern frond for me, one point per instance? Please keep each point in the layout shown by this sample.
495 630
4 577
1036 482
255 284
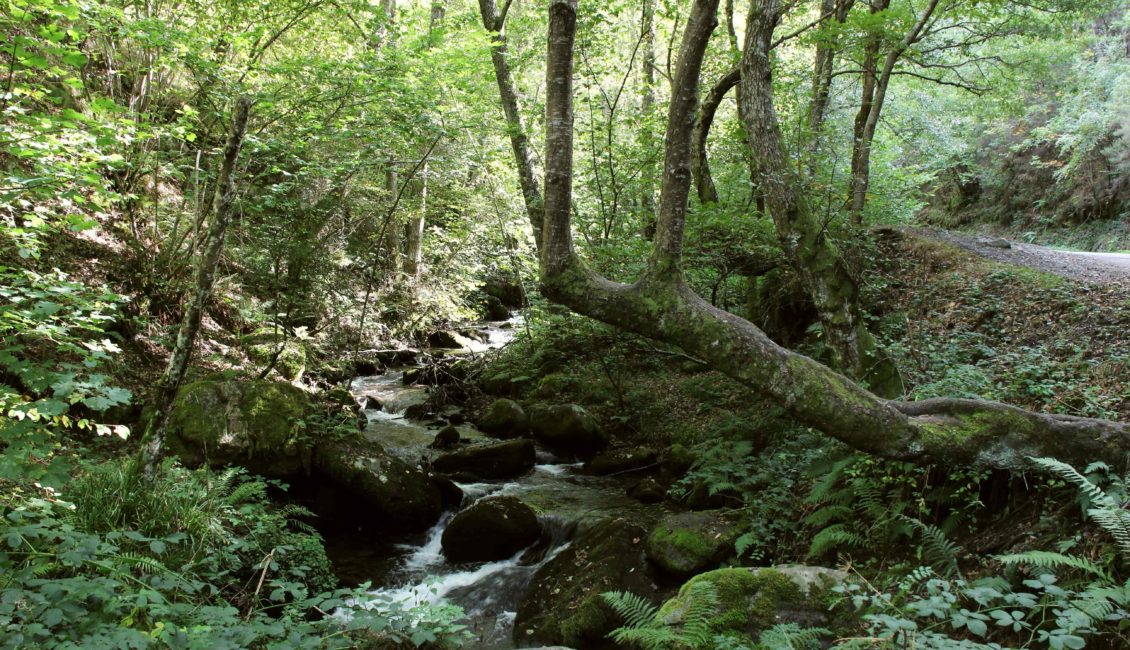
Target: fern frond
1053 560
790 636
834 536
702 607
1071 475
822 489
143 563
827 514
1115 521
938 549
635 610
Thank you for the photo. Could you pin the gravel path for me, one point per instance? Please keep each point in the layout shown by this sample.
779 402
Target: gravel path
1095 268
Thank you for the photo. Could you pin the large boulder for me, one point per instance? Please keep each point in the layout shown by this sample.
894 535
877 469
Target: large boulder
505 418
563 604
750 601
691 542
505 459
260 425
262 346
448 340
568 428
493 528
507 290
362 482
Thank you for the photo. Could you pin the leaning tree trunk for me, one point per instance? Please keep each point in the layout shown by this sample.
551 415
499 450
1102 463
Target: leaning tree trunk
661 306
515 125
802 234
203 278
700 164
414 235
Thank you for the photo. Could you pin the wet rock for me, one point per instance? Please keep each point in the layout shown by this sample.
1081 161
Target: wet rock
563 603
259 425
689 543
493 309
494 528
365 482
341 397
448 340
446 438
456 418
496 460
505 418
450 494
568 428
417 412
648 491
507 290
618 461
753 600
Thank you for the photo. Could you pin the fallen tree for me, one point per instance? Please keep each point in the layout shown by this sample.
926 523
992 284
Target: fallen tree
660 305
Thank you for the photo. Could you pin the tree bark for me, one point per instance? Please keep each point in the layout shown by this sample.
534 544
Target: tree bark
662 307
834 292
874 93
515 125
825 62
203 279
414 238
647 107
700 164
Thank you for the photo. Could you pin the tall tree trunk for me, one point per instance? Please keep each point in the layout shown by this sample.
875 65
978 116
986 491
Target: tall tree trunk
515 125
203 278
875 82
414 231
647 107
825 61
661 306
414 241
393 229
802 234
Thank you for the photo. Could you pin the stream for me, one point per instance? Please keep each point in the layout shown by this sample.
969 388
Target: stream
412 569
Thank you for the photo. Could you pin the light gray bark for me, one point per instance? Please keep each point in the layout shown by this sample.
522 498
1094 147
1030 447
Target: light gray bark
515 124
203 278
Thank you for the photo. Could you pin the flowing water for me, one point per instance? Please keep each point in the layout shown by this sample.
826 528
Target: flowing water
414 571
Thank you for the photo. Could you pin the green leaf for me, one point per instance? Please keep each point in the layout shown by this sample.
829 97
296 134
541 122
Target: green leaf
76 59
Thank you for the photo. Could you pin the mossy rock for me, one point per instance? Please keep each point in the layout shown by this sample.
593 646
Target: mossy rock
257 424
358 480
753 600
262 345
505 418
498 460
568 428
687 543
563 604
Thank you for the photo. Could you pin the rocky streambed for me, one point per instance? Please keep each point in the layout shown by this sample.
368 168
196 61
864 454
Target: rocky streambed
523 519
521 508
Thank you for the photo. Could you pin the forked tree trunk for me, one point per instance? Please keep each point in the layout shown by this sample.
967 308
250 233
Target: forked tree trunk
800 231
662 307
203 278
874 92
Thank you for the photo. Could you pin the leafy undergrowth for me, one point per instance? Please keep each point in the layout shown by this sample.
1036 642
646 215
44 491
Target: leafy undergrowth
967 327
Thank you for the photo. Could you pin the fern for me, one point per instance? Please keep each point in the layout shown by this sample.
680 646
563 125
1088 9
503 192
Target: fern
1053 560
645 628
635 610
1107 511
834 536
938 549
790 636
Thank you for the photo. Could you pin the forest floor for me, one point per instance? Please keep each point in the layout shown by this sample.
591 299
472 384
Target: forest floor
1095 268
